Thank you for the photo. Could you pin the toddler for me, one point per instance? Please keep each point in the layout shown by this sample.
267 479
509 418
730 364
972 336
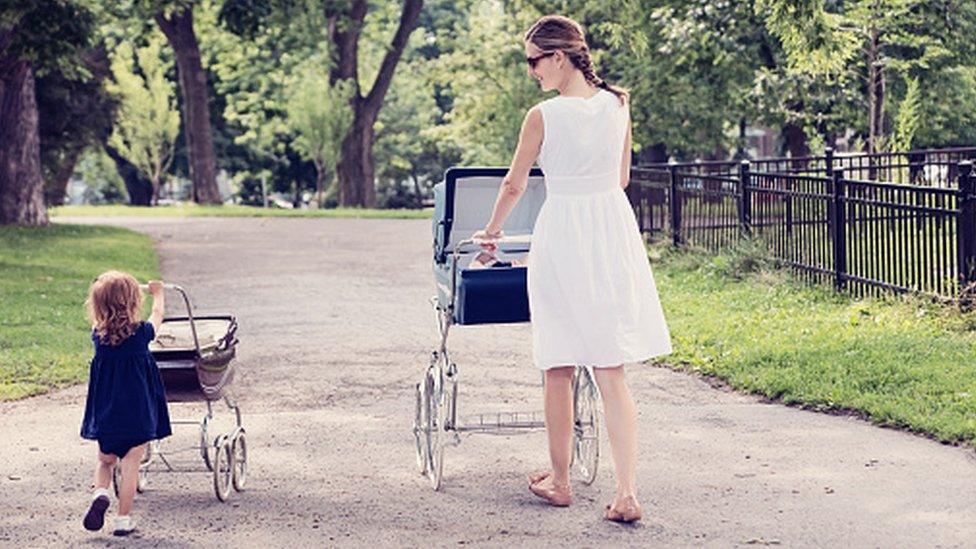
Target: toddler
126 405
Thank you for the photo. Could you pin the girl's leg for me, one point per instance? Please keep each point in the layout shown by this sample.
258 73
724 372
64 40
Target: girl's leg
558 391
621 419
103 471
130 476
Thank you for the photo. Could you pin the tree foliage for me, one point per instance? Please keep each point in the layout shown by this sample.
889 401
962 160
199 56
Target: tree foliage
148 119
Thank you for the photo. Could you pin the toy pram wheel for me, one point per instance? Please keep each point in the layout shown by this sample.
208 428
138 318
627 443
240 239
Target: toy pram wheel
205 446
223 467
419 426
586 426
239 450
435 440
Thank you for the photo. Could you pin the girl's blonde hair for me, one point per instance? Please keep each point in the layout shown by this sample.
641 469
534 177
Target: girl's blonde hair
114 306
557 33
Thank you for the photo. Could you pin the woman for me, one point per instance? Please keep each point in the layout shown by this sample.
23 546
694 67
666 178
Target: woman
591 292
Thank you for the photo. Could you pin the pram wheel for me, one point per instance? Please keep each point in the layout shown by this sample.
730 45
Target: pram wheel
434 425
586 426
204 443
239 450
223 468
419 421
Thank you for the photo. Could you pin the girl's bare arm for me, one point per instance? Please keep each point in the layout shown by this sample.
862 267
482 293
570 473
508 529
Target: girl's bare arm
159 304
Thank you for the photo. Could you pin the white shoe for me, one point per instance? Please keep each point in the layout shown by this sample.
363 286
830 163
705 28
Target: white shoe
124 526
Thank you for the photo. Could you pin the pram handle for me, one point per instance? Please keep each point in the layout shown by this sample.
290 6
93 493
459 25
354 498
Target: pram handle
189 309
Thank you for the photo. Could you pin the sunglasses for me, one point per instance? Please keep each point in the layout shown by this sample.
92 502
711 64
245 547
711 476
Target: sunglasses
533 61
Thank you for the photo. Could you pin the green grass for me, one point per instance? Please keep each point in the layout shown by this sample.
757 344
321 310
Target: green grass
192 210
44 278
901 362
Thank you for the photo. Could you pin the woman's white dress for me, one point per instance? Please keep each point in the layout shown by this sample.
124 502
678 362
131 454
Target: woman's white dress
591 292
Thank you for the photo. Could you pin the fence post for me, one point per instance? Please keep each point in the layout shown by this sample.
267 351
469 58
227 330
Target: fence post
674 204
745 198
916 165
966 231
829 161
838 229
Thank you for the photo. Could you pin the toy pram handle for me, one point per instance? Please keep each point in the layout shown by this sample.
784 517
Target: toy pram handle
189 309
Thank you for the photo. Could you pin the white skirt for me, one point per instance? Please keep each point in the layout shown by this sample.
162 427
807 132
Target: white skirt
591 291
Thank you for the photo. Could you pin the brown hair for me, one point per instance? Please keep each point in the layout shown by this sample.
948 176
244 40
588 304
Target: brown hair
114 304
558 33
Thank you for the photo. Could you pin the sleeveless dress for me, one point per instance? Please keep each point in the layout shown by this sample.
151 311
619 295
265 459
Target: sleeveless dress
126 403
592 296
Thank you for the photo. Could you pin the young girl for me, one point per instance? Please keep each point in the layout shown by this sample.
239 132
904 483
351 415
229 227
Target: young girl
126 406
604 312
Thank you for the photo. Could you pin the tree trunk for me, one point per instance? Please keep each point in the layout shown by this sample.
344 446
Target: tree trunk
56 189
319 178
355 167
178 29
875 94
136 185
21 185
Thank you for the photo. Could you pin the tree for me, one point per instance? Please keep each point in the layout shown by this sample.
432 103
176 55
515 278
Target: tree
319 115
175 19
859 44
35 37
147 121
73 113
345 23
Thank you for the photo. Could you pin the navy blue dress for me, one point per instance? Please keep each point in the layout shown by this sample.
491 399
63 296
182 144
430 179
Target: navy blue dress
126 400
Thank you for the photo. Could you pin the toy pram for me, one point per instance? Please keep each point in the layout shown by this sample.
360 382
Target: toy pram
492 295
194 355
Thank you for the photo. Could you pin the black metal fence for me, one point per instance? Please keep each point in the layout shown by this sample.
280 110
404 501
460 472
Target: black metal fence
837 226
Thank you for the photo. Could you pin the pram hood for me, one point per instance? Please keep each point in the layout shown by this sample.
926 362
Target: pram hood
463 203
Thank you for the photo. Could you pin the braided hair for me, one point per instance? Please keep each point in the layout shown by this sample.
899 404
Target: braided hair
555 32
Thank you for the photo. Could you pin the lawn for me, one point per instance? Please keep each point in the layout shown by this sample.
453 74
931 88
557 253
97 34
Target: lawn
900 361
44 278
193 210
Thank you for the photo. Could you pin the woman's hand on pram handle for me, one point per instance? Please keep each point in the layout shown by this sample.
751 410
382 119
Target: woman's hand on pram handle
487 239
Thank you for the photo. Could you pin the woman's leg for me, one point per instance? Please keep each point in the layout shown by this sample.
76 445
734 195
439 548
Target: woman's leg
130 476
558 391
621 419
103 471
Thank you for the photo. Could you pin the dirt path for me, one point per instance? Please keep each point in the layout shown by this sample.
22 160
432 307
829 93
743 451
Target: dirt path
335 330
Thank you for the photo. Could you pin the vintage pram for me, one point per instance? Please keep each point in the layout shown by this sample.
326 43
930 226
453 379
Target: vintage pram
194 355
494 295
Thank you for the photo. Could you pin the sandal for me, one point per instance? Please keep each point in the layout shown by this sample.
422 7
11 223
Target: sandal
631 513
554 495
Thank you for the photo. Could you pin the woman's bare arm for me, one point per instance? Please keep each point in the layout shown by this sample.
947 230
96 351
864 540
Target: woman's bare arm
517 178
625 159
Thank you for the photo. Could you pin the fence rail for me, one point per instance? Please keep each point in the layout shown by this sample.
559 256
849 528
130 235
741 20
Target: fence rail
839 226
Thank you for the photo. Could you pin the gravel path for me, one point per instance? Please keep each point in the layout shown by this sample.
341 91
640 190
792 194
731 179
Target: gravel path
335 330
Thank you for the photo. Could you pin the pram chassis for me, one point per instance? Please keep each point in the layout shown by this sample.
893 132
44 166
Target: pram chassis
436 421
225 457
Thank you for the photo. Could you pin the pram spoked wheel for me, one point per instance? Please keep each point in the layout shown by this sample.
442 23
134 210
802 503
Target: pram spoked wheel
586 426
238 444
223 468
435 401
